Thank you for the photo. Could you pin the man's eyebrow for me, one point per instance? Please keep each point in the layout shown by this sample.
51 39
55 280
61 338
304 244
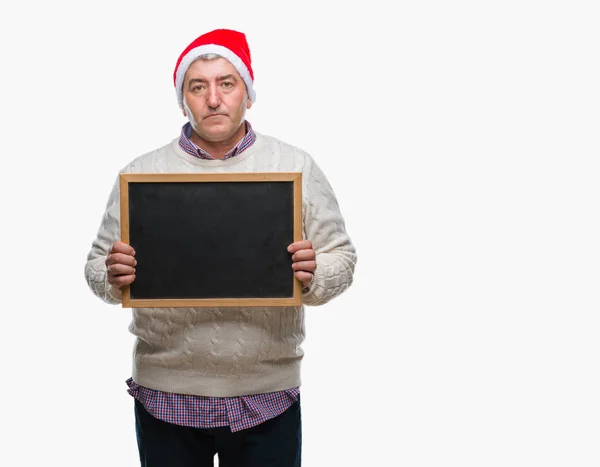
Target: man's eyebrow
202 80
196 80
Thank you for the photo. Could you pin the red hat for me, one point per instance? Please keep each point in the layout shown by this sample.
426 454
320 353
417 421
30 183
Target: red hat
229 44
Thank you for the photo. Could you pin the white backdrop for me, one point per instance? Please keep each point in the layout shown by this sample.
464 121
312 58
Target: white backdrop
461 139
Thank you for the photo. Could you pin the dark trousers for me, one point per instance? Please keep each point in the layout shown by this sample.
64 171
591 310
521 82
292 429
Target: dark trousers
274 443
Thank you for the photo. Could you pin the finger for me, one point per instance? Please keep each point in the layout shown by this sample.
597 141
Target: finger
120 269
120 258
120 247
121 281
309 266
303 276
303 255
301 245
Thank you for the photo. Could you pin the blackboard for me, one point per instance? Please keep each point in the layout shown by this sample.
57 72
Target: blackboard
206 240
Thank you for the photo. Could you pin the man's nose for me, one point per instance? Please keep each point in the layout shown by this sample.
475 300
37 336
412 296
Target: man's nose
213 97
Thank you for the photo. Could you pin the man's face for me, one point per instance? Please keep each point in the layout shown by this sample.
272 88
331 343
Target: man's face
214 99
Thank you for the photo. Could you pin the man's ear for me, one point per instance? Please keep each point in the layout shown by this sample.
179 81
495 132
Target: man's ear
248 104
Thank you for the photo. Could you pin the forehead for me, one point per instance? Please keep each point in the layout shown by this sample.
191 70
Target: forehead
210 69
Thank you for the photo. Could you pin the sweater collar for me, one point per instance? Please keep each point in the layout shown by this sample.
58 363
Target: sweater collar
188 146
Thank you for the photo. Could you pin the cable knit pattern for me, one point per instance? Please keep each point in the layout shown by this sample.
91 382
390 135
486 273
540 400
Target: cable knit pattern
230 351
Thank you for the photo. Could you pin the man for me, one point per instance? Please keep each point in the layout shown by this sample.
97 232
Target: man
199 391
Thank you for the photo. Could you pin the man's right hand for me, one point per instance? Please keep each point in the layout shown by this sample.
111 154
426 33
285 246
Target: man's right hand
120 265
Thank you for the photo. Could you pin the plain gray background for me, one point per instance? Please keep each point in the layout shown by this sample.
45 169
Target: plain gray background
461 139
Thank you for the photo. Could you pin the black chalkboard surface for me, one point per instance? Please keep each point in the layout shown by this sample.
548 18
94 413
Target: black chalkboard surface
211 239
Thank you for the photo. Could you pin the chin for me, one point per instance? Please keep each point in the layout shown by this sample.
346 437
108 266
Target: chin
210 131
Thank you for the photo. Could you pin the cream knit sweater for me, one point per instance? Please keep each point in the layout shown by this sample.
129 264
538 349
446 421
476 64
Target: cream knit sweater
230 351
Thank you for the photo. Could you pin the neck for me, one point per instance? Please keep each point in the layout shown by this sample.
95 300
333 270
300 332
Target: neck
218 149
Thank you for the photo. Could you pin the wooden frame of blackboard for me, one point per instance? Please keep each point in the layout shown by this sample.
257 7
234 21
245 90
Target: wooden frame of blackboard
295 178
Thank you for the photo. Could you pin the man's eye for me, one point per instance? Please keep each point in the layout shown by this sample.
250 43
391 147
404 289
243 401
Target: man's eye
227 84
197 88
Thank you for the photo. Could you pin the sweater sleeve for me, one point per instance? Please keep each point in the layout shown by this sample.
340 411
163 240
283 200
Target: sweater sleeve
108 233
324 226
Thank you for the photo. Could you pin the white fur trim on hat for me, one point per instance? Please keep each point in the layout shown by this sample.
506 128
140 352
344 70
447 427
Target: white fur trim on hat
224 52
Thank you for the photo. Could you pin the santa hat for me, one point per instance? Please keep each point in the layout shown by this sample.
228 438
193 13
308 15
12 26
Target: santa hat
229 44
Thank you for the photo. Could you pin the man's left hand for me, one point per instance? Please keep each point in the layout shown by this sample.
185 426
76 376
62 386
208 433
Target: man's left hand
304 263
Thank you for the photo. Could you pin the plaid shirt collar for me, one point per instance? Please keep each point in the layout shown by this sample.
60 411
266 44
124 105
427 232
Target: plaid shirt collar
188 146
